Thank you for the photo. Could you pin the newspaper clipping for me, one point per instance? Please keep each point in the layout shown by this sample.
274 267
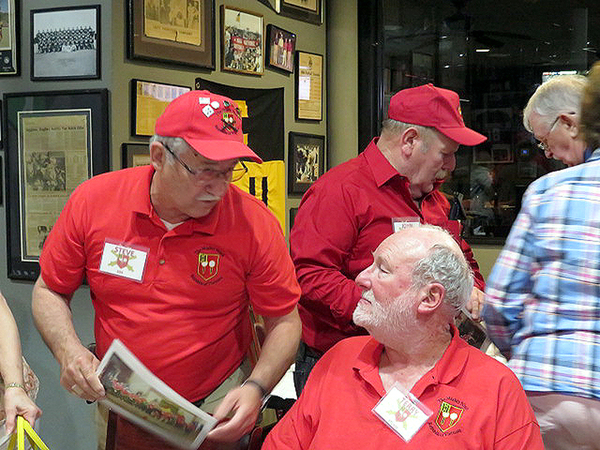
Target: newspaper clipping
142 398
54 158
174 20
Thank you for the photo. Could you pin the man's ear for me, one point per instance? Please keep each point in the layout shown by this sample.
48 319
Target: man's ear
571 123
432 297
408 141
158 155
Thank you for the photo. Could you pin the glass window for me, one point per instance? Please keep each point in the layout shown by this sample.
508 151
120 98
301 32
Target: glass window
494 54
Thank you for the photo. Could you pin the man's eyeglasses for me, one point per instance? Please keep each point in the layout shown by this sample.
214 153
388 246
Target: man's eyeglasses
542 144
232 174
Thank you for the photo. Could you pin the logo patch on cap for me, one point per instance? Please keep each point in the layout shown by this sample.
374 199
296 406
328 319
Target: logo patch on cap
228 124
208 111
203 100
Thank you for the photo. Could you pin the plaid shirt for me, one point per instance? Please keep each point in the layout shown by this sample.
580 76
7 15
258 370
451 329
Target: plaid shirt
543 295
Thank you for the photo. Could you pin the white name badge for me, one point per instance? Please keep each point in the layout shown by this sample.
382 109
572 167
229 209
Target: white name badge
402 412
123 261
399 223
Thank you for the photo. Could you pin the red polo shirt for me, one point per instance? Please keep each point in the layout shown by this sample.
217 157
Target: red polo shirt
187 319
342 219
334 410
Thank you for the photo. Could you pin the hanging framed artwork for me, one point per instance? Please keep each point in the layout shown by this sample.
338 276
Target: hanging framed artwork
281 48
9 37
242 41
306 161
65 43
178 32
54 141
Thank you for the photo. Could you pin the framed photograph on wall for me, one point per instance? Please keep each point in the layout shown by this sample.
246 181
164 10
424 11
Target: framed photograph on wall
306 161
9 37
65 43
179 32
242 41
281 48
148 101
133 155
305 10
309 86
54 141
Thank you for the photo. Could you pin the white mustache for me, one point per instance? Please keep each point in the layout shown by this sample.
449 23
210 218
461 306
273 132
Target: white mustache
207 198
442 174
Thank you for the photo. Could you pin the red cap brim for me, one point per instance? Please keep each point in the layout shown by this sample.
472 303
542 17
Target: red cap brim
463 135
222 150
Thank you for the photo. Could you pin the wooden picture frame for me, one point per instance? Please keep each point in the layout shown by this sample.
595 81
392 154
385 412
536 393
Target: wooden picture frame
148 101
185 37
10 35
242 41
281 47
306 160
53 142
309 86
65 43
305 10
134 154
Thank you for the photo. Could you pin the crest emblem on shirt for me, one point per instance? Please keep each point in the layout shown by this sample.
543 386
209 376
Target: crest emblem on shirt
448 416
208 265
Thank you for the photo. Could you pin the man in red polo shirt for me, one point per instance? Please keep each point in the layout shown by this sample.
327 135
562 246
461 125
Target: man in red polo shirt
174 255
413 383
354 206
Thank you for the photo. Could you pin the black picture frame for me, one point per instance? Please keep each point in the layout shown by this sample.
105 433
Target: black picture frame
40 167
281 48
10 43
65 43
134 154
146 43
293 212
294 9
306 161
148 101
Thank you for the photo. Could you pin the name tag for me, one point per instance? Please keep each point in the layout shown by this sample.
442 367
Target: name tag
123 261
402 412
399 223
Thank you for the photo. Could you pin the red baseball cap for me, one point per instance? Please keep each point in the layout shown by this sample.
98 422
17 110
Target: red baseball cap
431 106
211 124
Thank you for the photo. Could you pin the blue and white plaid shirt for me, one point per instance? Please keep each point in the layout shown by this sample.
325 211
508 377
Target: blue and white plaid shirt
543 295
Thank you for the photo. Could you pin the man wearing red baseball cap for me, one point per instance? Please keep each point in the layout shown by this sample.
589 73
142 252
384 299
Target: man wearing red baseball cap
173 261
346 214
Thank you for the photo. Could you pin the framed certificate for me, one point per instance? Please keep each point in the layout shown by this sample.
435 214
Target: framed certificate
53 142
309 86
148 101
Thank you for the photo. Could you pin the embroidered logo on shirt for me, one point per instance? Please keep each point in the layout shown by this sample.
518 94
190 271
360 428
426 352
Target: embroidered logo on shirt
208 265
448 416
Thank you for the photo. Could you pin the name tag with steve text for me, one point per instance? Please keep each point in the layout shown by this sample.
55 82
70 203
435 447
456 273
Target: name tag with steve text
123 261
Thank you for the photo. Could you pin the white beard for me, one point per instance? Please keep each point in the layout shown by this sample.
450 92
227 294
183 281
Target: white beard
384 322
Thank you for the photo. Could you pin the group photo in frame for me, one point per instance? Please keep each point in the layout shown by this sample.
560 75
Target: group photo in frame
172 31
53 142
309 86
134 154
148 101
281 48
9 37
242 41
65 43
306 161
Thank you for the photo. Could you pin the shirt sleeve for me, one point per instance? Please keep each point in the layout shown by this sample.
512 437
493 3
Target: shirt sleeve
510 284
62 261
324 233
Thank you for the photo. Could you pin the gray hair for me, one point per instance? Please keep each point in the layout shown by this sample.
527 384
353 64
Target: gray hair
395 127
443 265
559 95
176 144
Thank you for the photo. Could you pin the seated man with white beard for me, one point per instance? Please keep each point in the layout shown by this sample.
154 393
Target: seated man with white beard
413 383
